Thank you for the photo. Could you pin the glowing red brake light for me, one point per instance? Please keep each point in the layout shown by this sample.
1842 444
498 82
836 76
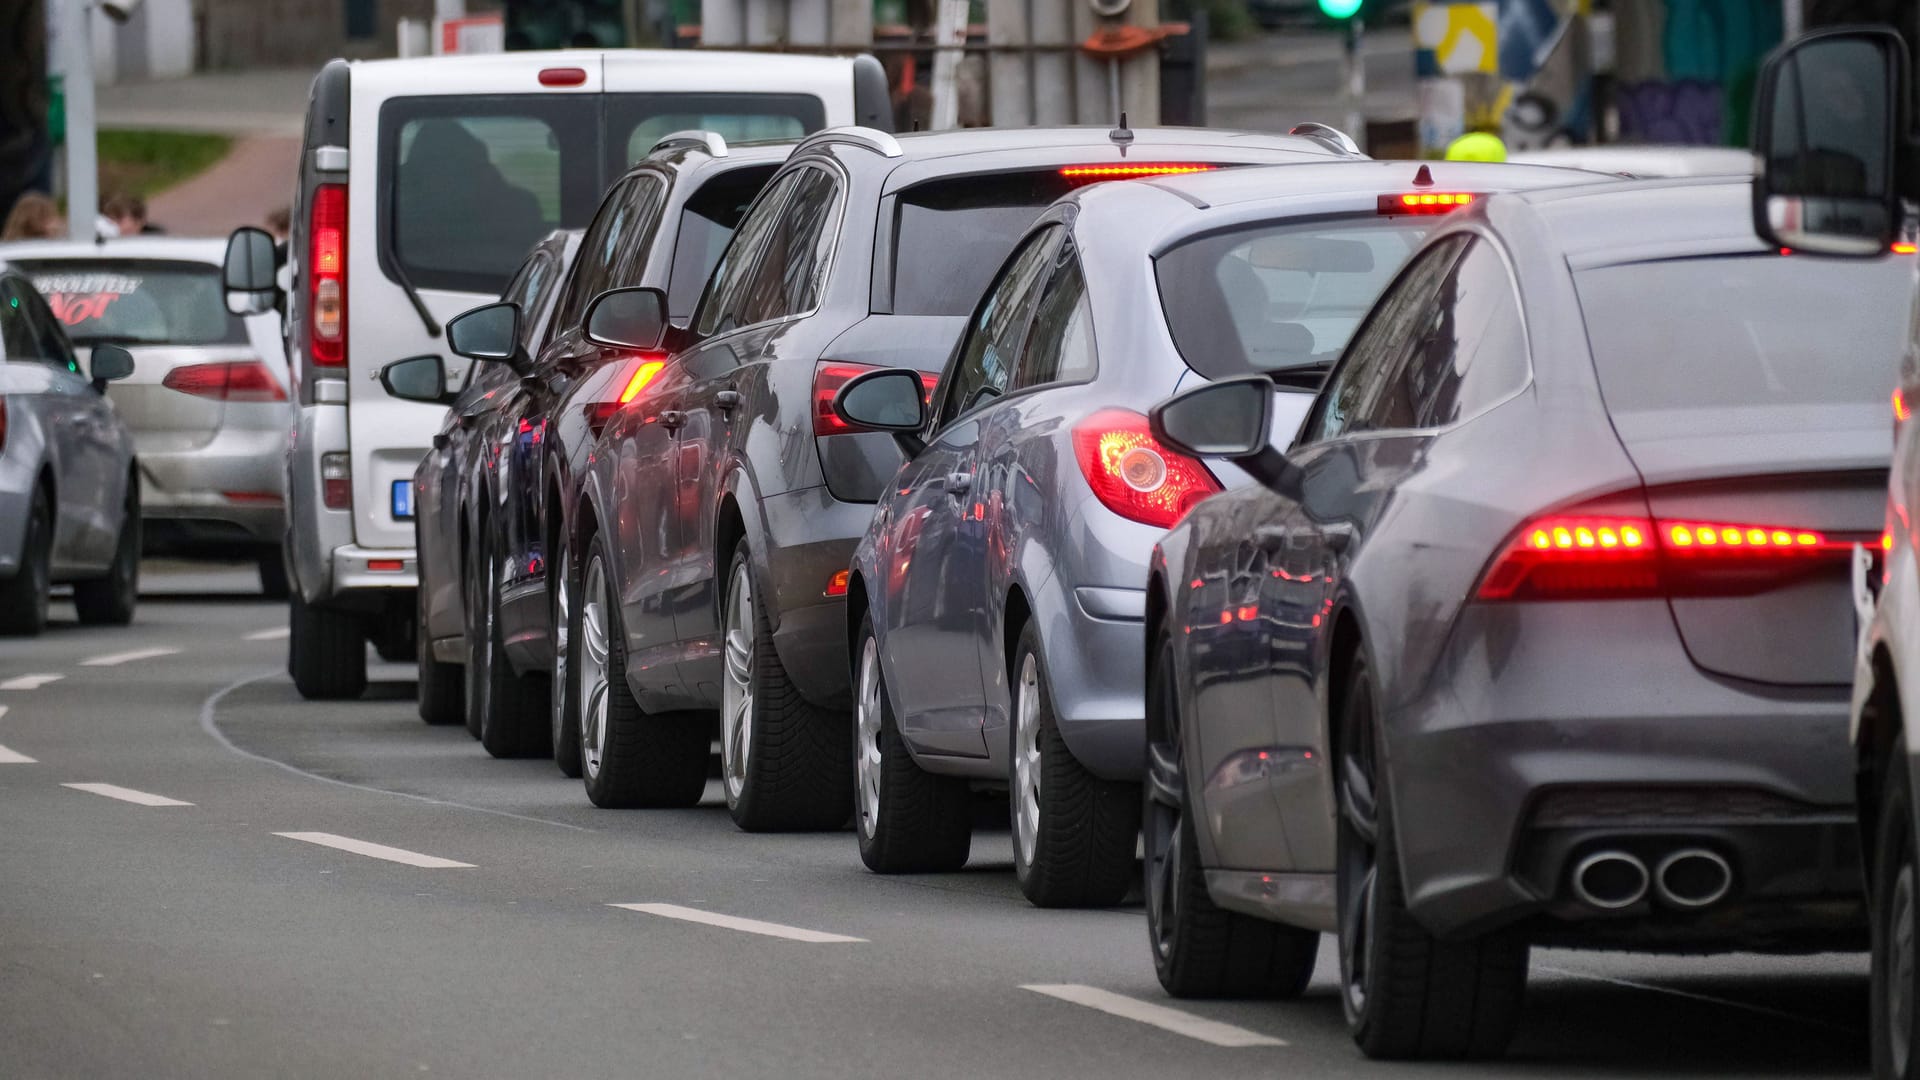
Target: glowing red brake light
599 412
1425 202
236 380
1132 474
829 377
563 76
327 277
1088 174
1902 247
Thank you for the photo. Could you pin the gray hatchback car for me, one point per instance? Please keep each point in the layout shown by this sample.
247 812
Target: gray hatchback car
996 600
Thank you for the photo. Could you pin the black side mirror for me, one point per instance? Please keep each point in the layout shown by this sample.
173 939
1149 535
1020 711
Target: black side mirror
1228 419
628 319
417 378
891 400
491 332
109 362
249 272
1829 128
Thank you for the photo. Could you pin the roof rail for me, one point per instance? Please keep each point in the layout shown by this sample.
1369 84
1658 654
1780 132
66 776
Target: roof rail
710 141
871 138
1327 136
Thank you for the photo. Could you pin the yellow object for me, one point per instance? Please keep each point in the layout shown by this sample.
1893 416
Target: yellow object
1477 146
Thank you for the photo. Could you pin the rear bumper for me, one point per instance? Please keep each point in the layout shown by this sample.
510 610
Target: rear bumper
227 481
356 568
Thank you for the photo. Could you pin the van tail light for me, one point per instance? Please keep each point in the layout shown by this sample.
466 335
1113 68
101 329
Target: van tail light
1584 557
336 480
829 376
327 277
599 412
1426 202
234 380
1132 474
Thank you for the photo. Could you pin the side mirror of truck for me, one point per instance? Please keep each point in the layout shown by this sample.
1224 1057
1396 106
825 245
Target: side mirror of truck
249 274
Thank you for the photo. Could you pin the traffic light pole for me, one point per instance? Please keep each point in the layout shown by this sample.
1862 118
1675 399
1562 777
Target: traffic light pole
1356 126
83 157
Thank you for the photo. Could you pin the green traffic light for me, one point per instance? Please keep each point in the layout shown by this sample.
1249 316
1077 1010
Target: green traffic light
1340 9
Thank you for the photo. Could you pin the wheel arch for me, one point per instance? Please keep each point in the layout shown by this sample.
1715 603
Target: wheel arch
1881 724
1015 612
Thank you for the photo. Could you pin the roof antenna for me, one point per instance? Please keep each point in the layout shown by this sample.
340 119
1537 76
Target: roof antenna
1423 178
1123 134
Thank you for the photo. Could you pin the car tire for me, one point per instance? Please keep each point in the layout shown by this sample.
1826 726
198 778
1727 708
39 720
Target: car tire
274 584
110 600
1201 950
1895 892
785 763
1406 993
1073 833
563 626
441 693
628 757
326 652
909 821
24 596
508 711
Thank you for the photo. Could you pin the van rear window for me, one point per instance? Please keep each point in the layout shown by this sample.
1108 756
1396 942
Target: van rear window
972 222
136 301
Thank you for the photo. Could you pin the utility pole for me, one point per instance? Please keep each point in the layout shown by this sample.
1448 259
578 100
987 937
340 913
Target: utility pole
1356 82
83 152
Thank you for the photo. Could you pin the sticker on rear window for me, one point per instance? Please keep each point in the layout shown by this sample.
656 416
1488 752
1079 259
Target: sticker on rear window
82 298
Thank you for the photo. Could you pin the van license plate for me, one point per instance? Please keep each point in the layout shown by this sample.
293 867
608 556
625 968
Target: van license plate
403 500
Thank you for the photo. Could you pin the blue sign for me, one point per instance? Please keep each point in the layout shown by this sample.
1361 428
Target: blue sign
402 500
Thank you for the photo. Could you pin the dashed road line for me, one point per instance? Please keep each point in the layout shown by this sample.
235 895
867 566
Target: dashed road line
115 791
734 922
1160 1016
116 659
29 682
15 757
376 851
270 634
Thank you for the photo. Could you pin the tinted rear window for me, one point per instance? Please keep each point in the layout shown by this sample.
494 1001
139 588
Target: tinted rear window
950 236
706 224
1276 295
1745 330
137 302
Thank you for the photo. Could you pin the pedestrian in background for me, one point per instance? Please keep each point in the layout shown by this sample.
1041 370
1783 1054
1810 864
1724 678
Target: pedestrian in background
34 217
129 215
279 225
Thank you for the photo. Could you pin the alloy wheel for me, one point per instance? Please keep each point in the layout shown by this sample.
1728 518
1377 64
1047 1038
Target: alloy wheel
1899 981
1356 780
595 639
562 613
866 761
736 704
1166 794
1026 758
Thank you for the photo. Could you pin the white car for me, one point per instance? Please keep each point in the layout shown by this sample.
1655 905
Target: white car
1646 162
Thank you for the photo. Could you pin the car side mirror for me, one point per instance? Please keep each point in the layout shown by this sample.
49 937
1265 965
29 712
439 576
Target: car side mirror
891 400
1829 128
109 362
628 319
417 378
491 333
250 272
1228 419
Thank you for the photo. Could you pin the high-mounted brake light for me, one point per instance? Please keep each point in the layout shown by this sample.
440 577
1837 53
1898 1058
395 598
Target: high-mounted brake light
599 412
1587 557
1426 202
563 76
1132 474
1094 173
829 377
234 380
327 277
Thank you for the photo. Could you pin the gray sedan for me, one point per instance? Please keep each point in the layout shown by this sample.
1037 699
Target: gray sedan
69 499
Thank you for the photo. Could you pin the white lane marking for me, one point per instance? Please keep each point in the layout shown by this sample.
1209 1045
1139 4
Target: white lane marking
1160 1016
273 634
115 791
14 757
732 922
3 712
376 851
116 659
1710 999
29 682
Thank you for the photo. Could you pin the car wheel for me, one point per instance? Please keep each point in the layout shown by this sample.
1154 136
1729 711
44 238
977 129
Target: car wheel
23 597
1406 993
1895 892
441 695
327 652
110 600
274 584
628 757
909 820
474 672
511 709
785 763
1073 833
564 700
1201 950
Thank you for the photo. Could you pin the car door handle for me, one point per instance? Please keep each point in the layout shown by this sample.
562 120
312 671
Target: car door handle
959 483
727 400
672 419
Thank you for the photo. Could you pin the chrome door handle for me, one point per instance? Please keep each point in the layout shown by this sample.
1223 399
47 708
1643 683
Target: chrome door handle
959 483
672 419
727 400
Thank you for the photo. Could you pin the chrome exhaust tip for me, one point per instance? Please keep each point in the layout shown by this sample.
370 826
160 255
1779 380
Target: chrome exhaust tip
1610 880
1693 878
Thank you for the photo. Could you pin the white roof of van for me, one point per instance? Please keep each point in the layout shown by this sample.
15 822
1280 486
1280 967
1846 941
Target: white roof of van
609 71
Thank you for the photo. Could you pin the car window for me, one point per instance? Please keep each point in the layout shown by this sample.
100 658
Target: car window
1475 352
971 222
1060 347
614 249
706 224
988 352
1365 391
28 330
719 307
137 301
794 260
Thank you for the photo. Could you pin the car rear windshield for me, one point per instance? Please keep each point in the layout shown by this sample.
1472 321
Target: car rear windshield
706 225
951 235
137 302
469 183
1273 295
1747 330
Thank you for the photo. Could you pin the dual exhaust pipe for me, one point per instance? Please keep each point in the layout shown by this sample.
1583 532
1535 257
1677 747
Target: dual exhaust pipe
1688 879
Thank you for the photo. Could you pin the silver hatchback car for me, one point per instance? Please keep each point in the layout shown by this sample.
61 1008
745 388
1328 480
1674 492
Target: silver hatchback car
207 401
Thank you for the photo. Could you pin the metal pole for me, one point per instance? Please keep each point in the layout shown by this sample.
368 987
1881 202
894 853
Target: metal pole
949 41
83 156
1356 83
1792 19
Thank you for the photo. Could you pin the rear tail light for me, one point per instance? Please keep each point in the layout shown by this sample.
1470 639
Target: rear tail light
236 380
1426 202
837 584
829 377
1089 174
599 412
1581 557
327 277
1132 474
386 566
1902 412
336 481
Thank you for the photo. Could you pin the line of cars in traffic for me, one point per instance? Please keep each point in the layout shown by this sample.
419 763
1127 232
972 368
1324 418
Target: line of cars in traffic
1447 557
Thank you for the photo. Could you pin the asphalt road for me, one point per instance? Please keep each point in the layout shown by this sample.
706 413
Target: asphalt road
199 939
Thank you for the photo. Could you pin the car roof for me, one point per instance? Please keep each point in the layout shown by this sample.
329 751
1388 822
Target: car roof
693 159
210 250
1637 220
1646 161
